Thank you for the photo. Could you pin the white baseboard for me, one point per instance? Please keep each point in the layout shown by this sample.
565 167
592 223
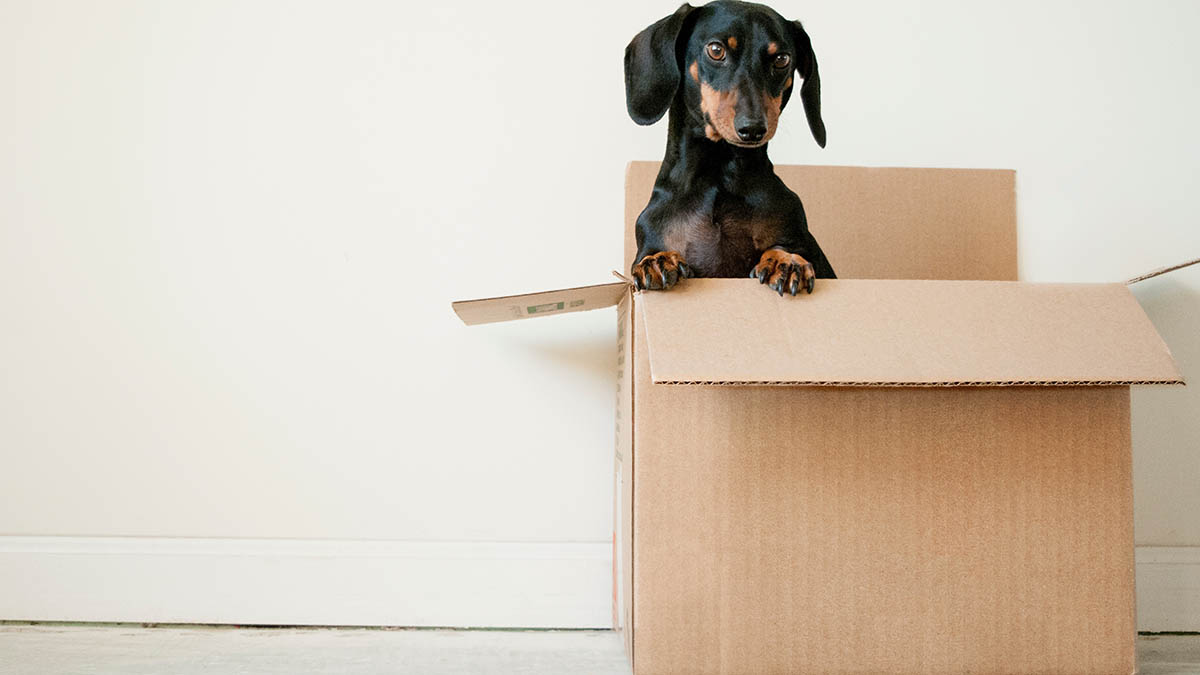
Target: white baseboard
377 583
304 582
1168 588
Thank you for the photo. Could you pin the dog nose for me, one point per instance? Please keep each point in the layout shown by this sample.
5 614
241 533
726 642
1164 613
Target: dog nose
752 132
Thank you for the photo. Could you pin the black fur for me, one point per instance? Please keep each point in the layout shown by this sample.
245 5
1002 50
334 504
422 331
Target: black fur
718 203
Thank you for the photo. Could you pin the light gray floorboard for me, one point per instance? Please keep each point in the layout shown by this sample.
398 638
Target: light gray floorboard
119 650
127 650
1169 654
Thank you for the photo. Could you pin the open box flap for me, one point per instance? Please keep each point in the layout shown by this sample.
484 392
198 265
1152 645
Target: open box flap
903 333
543 303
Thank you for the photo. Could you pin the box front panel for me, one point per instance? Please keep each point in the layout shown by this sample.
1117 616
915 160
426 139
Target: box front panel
870 530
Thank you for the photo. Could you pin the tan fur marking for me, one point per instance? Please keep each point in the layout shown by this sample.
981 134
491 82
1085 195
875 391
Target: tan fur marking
694 69
718 106
771 106
788 83
775 263
650 272
772 48
732 42
778 256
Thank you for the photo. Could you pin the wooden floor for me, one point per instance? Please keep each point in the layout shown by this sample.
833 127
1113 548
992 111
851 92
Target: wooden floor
127 650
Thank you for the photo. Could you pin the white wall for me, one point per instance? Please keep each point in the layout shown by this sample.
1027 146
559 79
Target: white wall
230 231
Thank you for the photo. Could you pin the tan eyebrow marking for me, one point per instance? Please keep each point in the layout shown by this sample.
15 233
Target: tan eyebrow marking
732 42
772 48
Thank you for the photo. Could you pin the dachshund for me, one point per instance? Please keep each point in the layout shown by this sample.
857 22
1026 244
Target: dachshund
724 71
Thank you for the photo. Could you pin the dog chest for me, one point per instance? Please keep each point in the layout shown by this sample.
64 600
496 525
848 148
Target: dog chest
718 242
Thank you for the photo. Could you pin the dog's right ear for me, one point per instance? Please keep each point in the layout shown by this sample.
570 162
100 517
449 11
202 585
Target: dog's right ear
652 70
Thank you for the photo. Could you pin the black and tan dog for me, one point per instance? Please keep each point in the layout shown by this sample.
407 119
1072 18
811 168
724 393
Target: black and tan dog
724 71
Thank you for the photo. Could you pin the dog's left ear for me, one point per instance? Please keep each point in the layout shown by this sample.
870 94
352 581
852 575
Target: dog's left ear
652 69
810 91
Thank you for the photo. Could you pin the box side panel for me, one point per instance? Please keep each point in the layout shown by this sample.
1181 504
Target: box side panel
871 530
890 223
683 606
623 479
909 223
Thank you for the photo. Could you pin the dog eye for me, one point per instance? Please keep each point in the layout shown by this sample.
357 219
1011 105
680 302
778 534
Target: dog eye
782 61
716 51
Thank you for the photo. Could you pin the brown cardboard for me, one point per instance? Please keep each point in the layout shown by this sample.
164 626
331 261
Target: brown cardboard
931 530
623 476
543 303
844 526
890 223
873 530
896 333
1162 270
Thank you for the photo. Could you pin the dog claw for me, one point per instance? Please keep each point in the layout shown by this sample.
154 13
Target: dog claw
659 271
784 272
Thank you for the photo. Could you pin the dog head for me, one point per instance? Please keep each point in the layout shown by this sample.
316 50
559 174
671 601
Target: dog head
732 65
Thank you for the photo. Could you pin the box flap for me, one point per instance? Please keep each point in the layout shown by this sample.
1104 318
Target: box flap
532 305
1162 270
903 333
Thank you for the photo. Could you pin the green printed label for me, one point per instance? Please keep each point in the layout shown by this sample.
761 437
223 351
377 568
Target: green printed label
548 307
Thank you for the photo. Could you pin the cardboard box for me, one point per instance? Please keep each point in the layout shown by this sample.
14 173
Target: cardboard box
894 474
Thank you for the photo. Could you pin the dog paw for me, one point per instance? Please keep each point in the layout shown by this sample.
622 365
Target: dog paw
660 271
784 272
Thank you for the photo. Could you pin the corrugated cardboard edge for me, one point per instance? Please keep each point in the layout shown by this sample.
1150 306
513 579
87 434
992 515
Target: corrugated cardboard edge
891 385
1161 271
